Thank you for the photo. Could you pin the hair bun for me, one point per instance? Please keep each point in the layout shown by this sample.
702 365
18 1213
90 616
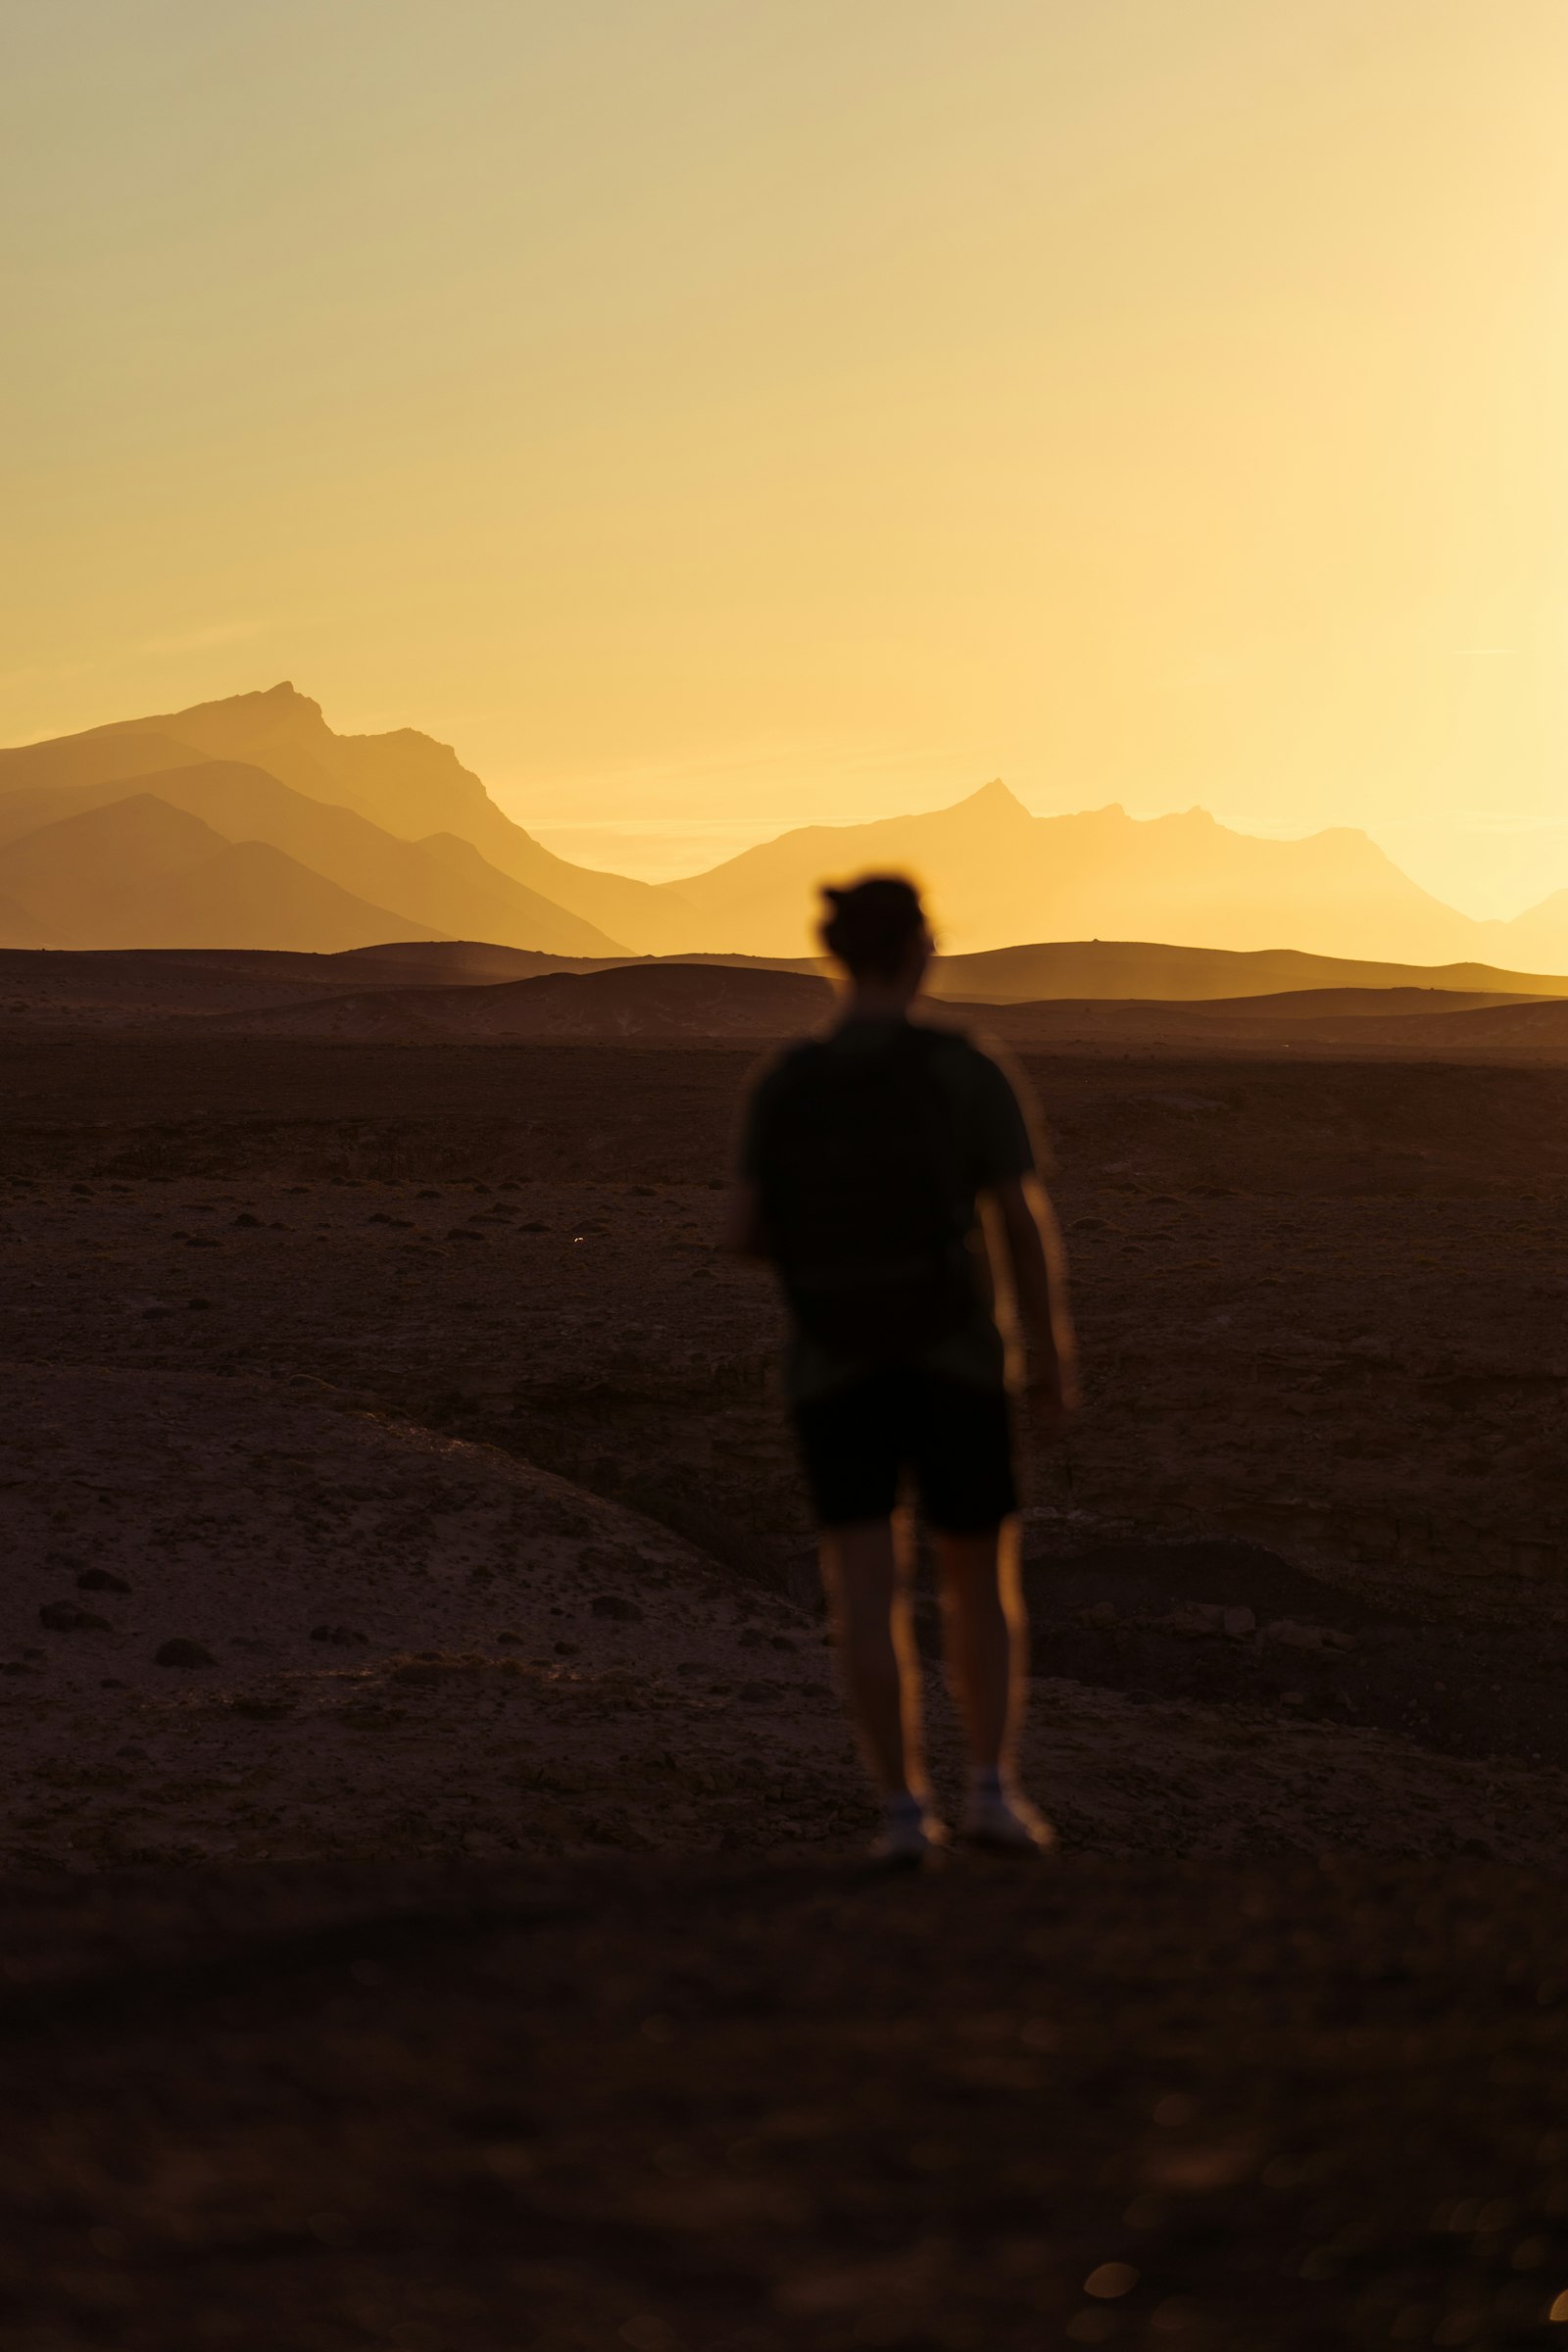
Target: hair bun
872 924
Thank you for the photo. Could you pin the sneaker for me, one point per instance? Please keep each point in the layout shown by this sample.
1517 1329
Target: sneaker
1006 1822
910 1837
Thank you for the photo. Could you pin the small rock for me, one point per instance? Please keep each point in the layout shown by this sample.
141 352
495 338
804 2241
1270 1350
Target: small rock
752 1640
568 1650
245 1218
1292 1635
101 1580
180 1652
1197 1619
1099 1613
342 1635
198 1306
612 1604
1239 1624
775 1640
65 1617
512 1640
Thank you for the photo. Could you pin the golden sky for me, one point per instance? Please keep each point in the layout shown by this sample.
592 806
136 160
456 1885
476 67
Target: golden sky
711 414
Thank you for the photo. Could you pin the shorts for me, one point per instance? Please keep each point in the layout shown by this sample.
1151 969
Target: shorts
953 1438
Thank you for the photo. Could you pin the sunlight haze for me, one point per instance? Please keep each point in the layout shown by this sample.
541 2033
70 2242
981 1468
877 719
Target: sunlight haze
714 420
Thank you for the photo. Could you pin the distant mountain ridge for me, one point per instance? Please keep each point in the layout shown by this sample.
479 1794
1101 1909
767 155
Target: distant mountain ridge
999 876
403 782
387 837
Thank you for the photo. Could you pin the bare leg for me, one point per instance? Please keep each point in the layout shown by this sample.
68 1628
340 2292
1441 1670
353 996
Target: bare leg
865 1572
986 1633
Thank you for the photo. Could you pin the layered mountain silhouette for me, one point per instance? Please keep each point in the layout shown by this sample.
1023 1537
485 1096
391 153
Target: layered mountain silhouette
997 874
250 823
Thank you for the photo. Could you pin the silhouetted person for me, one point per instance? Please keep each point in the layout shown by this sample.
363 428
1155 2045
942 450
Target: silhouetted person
877 1163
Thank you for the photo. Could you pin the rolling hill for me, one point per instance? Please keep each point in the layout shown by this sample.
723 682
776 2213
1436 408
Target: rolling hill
1108 968
642 1001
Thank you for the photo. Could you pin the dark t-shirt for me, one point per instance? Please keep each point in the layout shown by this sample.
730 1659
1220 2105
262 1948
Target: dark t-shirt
992 1142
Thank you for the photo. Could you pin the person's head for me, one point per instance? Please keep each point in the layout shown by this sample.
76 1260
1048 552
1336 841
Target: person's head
876 929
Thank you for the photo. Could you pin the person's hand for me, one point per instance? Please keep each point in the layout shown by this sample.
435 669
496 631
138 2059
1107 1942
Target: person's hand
1052 1394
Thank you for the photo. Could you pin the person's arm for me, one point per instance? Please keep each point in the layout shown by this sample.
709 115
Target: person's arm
1040 1286
744 1233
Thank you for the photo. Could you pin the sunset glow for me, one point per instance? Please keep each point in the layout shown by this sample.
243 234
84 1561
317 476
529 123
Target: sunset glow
715 419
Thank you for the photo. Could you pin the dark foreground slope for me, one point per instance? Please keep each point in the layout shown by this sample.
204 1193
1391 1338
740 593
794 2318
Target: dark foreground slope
460 1942
711 2107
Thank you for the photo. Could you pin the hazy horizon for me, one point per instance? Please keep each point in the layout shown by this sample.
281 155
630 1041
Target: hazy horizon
628 848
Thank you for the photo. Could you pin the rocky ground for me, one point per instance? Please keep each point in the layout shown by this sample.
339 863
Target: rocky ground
402 1544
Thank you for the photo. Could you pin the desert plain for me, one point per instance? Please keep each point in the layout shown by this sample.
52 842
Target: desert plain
435 1914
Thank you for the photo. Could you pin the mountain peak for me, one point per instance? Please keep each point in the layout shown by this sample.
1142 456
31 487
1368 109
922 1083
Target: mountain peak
995 799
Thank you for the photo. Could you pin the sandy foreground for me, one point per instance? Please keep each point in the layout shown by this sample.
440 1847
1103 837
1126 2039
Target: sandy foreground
434 1914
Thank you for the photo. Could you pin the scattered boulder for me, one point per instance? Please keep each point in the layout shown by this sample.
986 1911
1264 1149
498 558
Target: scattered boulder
614 1604
182 1652
66 1617
101 1580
